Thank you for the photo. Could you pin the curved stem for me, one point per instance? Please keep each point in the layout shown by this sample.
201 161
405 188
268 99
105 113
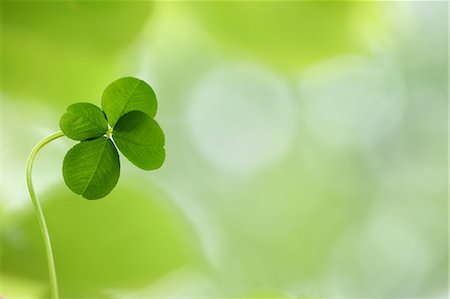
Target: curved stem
40 215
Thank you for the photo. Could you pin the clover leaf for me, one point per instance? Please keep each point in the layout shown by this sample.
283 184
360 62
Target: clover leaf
125 95
140 139
92 167
83 121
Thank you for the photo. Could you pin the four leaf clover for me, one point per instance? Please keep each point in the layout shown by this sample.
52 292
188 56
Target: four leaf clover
126 122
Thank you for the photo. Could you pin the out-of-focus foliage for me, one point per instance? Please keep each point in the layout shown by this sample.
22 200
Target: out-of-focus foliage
127 240
19 287
62 51
291 35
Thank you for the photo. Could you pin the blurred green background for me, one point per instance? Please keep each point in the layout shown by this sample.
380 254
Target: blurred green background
306 149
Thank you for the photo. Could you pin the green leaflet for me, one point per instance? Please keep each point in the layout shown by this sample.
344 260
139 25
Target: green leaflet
91 168
83 121
125 95
140 139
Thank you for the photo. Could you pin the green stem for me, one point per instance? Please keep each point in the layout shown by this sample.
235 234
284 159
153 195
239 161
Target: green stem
40 215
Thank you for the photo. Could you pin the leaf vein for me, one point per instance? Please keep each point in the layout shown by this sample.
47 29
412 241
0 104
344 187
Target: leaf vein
96 169
128 100
137 143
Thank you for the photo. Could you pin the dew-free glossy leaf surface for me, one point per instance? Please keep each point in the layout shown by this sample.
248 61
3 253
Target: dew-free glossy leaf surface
91 168
125 95
83 121
139 137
